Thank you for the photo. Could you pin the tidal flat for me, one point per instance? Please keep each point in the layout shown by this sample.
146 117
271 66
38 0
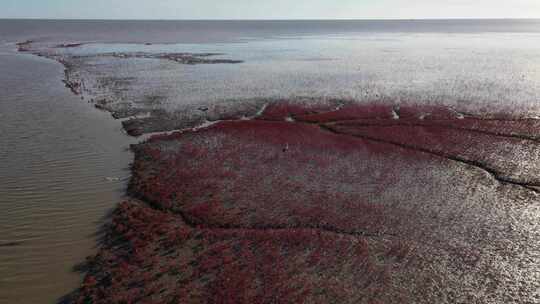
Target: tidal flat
307 198
334 206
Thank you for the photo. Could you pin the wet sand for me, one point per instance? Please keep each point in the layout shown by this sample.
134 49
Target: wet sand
323 201
423 207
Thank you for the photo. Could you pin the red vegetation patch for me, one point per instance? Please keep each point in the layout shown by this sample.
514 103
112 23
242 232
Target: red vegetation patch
371 210
426 112
470 141
165 261
350 112
227 175
281 110
519 129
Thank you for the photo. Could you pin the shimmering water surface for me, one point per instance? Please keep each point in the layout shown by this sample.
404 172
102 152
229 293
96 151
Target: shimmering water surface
58 154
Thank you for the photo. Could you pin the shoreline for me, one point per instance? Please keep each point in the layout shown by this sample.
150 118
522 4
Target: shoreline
57 153
196 183
204 214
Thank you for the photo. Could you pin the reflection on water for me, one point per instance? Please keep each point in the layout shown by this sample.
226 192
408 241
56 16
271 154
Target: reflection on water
59 157
488 71
56 153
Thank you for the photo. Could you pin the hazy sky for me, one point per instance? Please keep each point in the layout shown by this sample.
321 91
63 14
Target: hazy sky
268 9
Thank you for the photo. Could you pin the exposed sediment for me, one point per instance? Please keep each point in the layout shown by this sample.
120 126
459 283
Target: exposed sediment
310 200
282 210
183 58
91 76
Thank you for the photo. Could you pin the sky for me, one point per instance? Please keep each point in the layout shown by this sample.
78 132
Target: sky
268 9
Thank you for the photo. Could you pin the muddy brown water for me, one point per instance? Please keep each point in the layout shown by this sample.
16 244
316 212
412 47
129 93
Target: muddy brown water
63 165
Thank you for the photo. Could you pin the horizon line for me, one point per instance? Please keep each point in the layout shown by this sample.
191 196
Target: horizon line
247 19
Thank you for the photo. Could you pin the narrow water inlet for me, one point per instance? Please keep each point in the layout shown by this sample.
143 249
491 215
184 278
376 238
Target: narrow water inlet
63 166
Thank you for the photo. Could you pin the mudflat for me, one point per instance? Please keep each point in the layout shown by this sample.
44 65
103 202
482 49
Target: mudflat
304 205
314 200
